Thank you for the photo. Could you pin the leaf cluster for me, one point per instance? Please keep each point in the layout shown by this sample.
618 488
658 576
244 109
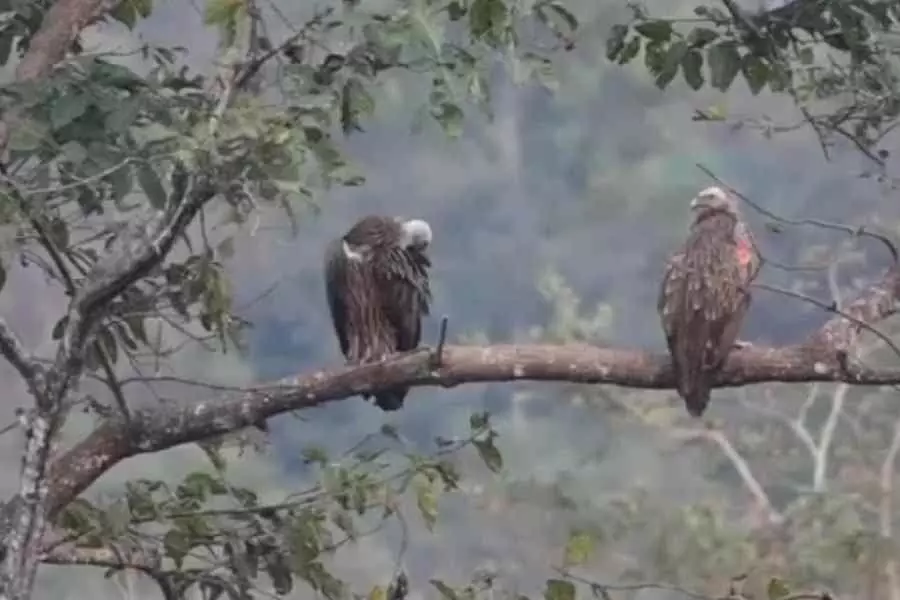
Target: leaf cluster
833 58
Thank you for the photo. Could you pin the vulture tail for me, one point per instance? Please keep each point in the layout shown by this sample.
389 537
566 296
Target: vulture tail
696 398
390 400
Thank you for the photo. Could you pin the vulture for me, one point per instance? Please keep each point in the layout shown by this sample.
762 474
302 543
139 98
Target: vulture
705 294
376 280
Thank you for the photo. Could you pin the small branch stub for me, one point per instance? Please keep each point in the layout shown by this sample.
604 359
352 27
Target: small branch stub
437 357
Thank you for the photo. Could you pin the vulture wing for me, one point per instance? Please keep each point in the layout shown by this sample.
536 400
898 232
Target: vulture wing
405 293
336 290
702 305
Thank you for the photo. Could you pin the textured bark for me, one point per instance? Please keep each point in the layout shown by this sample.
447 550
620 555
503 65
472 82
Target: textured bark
820 358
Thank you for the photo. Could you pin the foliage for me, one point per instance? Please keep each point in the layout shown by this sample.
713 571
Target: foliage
833 58
358 493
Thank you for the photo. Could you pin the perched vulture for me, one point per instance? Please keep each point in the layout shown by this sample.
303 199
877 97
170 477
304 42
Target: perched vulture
376 279
705 294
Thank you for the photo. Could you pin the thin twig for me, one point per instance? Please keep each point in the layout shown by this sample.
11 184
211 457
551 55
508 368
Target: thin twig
830 307
438 356
853 231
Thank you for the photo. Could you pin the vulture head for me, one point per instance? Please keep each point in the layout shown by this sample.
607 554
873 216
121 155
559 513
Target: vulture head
415 235
712 200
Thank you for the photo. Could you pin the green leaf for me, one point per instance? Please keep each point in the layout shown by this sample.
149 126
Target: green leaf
314 454
59 328
485 15
777 589
223 12
456 10
711 14
756 73
123 116
225 250
426 500
564 14
692 69
356 103
58 232
177 545
578 549
450 117
445 590
658 31
558 589
28 135
6 39
479 421
2 276
806 55
670 63
127 11
344 521
724 64
532 66
151 185
615 43
699 37
489 453
123 334
779 77
74 152
630 51
67 108
279 571
654 56
107 341
390 431
121 182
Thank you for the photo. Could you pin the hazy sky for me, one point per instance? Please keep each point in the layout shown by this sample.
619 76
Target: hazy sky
594 182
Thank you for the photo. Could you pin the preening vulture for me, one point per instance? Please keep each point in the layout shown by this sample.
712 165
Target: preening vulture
706 293
376 279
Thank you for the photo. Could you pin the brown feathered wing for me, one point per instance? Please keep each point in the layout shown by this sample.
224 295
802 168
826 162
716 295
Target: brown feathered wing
704 297
377 298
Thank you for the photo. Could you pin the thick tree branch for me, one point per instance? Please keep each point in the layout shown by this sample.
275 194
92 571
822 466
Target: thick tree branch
87 306
156 429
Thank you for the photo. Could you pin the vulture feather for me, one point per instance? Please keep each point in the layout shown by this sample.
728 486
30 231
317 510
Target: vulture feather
376 279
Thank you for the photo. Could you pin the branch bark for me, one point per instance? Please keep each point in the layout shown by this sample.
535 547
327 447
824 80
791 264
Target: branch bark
113 557
156 429
13 351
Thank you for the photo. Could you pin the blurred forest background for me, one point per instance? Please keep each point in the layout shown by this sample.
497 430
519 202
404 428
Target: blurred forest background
553 213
